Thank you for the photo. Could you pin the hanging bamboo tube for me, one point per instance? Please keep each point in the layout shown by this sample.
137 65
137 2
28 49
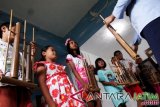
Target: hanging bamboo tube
118 66
15 56
93 86
122 78
24 52
120 69
29 65
93 78
114 69
10 26
33 37
32 51
28 58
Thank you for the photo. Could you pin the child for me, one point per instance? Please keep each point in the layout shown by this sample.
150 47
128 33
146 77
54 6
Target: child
110 83
10 95
75 62
129 66
53 80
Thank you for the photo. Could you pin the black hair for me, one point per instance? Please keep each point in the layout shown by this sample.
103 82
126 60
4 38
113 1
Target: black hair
112 59
117 51
97 66
44 49
70 51
7 25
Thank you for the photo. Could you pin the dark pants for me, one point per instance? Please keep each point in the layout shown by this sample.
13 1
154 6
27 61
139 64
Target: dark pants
151 33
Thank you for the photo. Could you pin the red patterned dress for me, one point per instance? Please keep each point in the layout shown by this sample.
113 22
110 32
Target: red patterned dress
59 85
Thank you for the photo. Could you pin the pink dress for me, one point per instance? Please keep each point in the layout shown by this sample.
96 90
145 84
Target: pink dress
78 61
59 85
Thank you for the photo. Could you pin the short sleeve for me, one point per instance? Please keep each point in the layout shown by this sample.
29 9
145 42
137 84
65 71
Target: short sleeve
101 76
120 8
69 58
36 64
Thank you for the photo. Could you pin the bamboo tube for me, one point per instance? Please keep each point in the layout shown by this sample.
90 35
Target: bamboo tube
120 71
10 26
31 74
93 79
24 51
29 65
117 74
33 35
118 67
89 59
93 86
15 58
86 68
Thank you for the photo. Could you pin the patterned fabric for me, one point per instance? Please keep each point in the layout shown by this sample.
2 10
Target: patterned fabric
3 49
108 76
59 85
78 62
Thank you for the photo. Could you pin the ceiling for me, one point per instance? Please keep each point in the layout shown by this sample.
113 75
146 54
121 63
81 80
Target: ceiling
55 16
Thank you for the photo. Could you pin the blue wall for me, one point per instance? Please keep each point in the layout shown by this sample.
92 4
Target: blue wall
90 24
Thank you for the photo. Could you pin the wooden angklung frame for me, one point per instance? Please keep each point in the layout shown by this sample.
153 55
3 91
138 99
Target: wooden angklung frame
93 86
124 76
13 79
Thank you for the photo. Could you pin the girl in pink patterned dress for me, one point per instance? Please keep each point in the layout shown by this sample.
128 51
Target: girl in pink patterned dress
54 82
75 62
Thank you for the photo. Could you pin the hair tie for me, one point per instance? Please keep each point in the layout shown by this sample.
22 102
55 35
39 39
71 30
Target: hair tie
67 40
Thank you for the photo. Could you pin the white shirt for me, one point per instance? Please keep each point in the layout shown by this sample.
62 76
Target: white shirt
142 13
3 49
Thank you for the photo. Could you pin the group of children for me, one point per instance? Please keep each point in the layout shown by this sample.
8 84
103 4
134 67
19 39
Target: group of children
57 88
54 83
